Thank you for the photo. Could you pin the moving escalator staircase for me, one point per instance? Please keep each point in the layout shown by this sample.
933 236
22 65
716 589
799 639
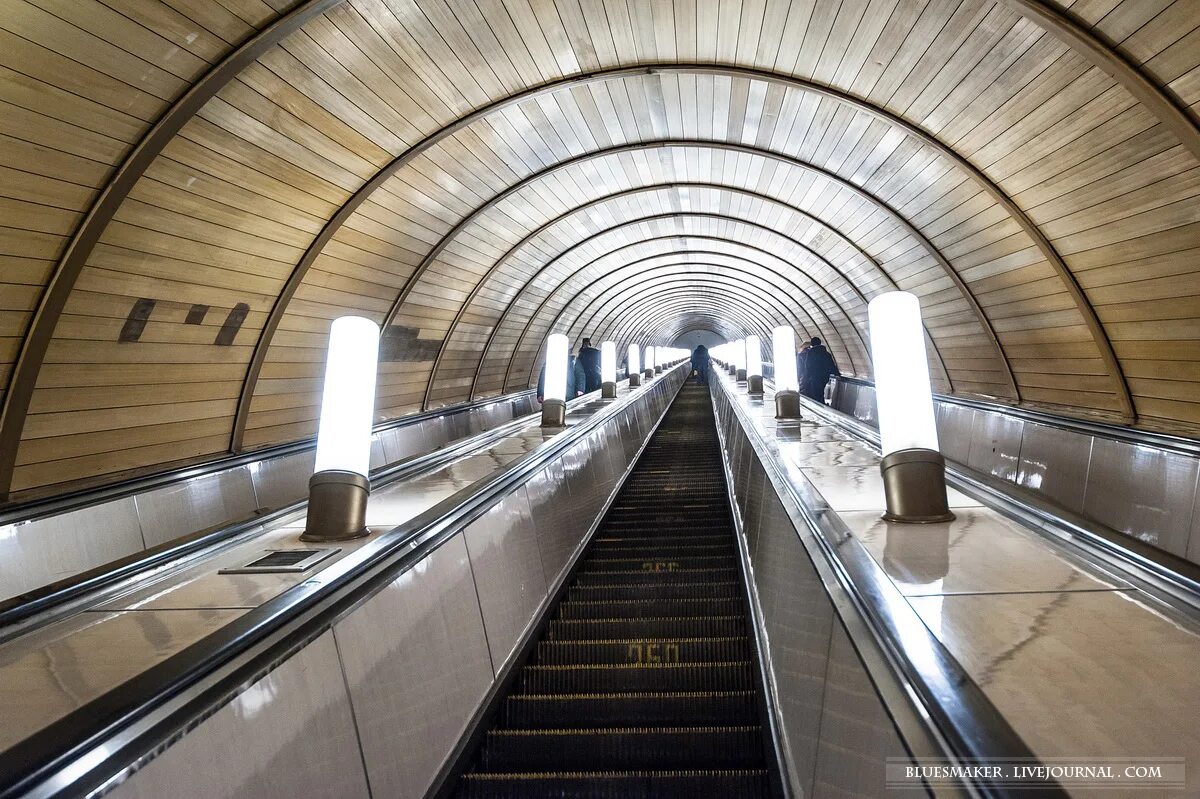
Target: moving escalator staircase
643 684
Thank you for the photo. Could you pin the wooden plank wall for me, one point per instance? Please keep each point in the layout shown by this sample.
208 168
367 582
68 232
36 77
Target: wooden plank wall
215 228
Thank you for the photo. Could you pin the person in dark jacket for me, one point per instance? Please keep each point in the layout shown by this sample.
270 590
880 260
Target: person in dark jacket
589 360
575 379
818 366
700 362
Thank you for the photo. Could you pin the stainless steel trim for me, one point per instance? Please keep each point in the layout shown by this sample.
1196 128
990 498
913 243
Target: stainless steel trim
76 500
1165 441
90 747
939 711
1170 579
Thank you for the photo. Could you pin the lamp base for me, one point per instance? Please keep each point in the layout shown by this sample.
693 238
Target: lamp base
740 376
554 413
754 385
337 506
658 370
649 373
635 380
914 487
787 404
608 390
732 370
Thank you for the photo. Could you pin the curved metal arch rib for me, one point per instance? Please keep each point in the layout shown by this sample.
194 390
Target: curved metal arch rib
817 256
104 207
745 312
658 187
629 296
639 264
343 213
671 306
635 299
651 188
665 237
797 163
657 275
652 318
705 237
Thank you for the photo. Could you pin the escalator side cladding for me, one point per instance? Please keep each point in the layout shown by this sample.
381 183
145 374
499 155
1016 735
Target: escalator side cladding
644 683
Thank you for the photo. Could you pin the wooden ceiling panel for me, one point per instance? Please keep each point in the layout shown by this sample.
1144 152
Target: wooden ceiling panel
1015 163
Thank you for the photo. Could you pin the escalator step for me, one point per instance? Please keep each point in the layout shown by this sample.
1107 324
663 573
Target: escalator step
644 650
644 681
747 783
673 589
644 608
657 627
658 564
652 550
678 709
622 748
601 678
662 540
655 578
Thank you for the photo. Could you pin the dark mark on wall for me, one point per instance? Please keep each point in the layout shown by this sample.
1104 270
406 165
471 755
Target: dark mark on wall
399 343
135 323
233 323
196 315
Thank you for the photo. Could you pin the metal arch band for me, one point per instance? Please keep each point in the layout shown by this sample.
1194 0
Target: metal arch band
671 236
730 147
622 195
36 342
659 187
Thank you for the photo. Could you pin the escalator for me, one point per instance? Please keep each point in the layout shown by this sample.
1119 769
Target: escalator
644 683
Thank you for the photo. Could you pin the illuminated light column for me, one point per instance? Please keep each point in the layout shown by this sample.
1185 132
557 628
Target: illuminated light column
787 383
739 360
608 370
649 362
754 381
554 384
914 471
339 487
634 366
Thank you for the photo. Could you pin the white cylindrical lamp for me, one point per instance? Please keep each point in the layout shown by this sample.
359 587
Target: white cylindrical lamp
608 370
754 375
554 382
914 471
339 487
787 382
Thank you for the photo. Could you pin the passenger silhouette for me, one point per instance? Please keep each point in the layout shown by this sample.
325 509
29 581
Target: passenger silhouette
816 367
589 360
700 362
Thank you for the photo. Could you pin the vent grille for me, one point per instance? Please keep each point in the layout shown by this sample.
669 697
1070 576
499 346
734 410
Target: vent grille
283 560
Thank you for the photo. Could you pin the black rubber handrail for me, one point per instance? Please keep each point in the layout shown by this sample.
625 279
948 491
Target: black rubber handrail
89 746
1172 576
79 499
15 613
1165 441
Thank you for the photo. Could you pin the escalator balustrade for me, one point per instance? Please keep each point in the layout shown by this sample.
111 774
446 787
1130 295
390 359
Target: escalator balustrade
644 681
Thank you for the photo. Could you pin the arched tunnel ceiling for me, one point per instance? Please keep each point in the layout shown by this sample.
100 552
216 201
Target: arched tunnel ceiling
192 191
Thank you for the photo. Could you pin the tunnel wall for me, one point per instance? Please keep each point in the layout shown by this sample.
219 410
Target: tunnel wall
59 543
190 195
1134 487
376 703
